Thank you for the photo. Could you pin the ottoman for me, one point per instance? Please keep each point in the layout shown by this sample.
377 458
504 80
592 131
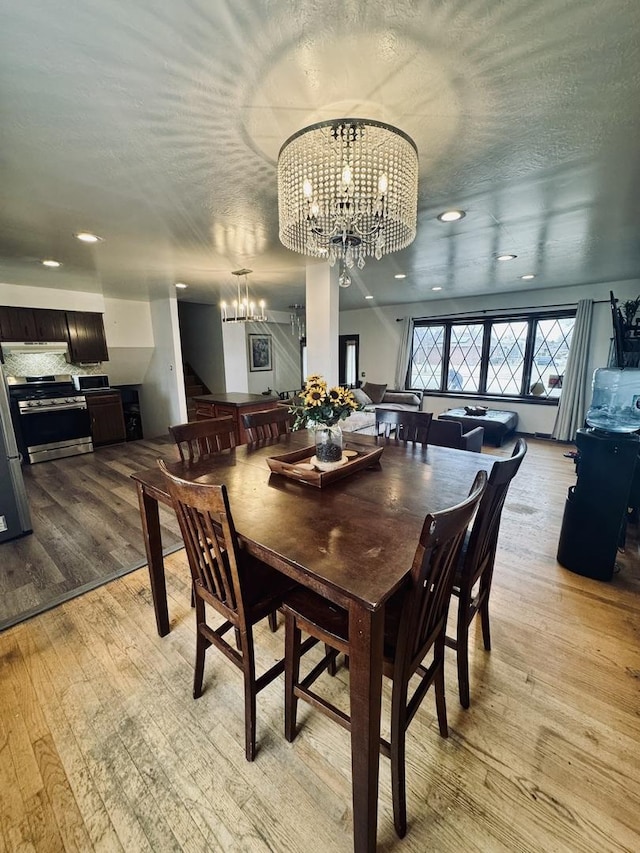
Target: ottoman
497 424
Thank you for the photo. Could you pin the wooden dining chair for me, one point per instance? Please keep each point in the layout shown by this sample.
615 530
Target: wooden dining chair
403 425
269 423
415 623
472 582
231 581
199 438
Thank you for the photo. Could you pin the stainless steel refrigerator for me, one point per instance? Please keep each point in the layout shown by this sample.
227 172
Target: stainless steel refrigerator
15 519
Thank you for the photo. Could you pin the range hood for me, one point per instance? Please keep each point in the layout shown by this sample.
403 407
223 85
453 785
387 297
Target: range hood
34 346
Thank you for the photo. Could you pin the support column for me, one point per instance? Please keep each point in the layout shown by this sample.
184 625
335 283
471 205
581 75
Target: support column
322 320
234 343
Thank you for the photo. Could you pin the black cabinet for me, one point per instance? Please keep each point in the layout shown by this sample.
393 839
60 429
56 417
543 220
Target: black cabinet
87 340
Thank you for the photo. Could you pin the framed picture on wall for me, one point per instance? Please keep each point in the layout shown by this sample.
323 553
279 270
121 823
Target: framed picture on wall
260 353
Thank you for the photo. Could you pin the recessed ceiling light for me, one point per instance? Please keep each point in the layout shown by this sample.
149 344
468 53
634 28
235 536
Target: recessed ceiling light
88 237
181 285
451 215
368 297
527 277
49 262
400 275
436 288
507 257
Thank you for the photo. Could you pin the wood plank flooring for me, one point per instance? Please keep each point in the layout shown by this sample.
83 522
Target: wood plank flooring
86 527
103 748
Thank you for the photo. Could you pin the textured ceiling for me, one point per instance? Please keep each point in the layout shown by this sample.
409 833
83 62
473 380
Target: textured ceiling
157 123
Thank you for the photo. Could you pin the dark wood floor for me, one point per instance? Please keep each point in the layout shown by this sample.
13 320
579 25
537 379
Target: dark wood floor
86 527
103 748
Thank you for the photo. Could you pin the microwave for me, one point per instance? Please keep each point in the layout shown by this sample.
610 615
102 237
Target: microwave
90 382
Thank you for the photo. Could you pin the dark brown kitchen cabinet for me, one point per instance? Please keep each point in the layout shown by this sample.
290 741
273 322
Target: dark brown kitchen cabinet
106 417
87 340
51 325
33 324
18 324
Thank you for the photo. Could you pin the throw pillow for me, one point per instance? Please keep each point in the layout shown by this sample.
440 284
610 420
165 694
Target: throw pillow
361 397
403 397
376 392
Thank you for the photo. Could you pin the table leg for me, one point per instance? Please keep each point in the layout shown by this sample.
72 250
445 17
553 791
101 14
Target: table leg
150 517
366 633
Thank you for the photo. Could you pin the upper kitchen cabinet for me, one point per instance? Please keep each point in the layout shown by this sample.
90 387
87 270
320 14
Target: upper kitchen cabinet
51 325
87 340
19 324
32 324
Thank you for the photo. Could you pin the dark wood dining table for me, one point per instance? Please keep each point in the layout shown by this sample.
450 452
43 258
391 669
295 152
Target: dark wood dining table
352 542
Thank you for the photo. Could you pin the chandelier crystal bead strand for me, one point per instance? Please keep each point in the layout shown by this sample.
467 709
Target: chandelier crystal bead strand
348 190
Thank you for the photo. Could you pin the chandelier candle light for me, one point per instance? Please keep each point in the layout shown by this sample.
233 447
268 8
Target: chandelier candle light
348 190
243 310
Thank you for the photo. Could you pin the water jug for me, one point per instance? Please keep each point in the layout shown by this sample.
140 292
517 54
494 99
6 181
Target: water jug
615 406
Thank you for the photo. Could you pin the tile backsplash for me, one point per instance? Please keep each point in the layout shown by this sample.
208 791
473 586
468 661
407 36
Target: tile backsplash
44 364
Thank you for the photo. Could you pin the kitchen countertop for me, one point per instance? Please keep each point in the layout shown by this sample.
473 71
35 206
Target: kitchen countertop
235 399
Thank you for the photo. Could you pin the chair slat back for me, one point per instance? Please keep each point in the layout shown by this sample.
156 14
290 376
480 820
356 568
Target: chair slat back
405 425
210 541
432 574
199 438
486 526
269 423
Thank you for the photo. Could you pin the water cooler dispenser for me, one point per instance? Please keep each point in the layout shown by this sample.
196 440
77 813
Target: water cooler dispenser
596 507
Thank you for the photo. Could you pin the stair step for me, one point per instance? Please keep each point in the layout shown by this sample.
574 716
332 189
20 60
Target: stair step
194 390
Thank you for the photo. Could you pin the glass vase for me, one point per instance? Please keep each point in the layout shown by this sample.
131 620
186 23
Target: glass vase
328 441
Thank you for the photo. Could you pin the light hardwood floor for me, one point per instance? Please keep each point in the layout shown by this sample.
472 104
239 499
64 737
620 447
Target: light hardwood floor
103 748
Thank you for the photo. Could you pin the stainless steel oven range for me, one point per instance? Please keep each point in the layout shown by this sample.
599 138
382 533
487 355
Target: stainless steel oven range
50 417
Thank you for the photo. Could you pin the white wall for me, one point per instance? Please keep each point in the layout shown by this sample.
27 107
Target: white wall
162 397
130 340
26 296
236 364
380 337
287 372
285 357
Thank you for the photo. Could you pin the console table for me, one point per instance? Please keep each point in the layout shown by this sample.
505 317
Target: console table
232 405
497 424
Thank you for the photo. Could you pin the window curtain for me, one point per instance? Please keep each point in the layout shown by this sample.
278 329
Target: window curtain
404 353
571 411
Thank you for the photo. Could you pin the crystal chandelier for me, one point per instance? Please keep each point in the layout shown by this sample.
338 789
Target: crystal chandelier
297 320
344 279
243 309
348 190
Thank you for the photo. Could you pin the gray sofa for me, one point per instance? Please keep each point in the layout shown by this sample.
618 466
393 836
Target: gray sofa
450 434
365 421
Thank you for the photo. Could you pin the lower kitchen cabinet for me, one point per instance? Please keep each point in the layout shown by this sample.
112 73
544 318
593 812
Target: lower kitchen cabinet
107 417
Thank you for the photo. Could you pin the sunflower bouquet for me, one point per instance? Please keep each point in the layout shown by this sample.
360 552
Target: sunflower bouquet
319 405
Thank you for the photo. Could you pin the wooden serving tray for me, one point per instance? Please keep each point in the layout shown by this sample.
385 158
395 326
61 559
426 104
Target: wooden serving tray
286 465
